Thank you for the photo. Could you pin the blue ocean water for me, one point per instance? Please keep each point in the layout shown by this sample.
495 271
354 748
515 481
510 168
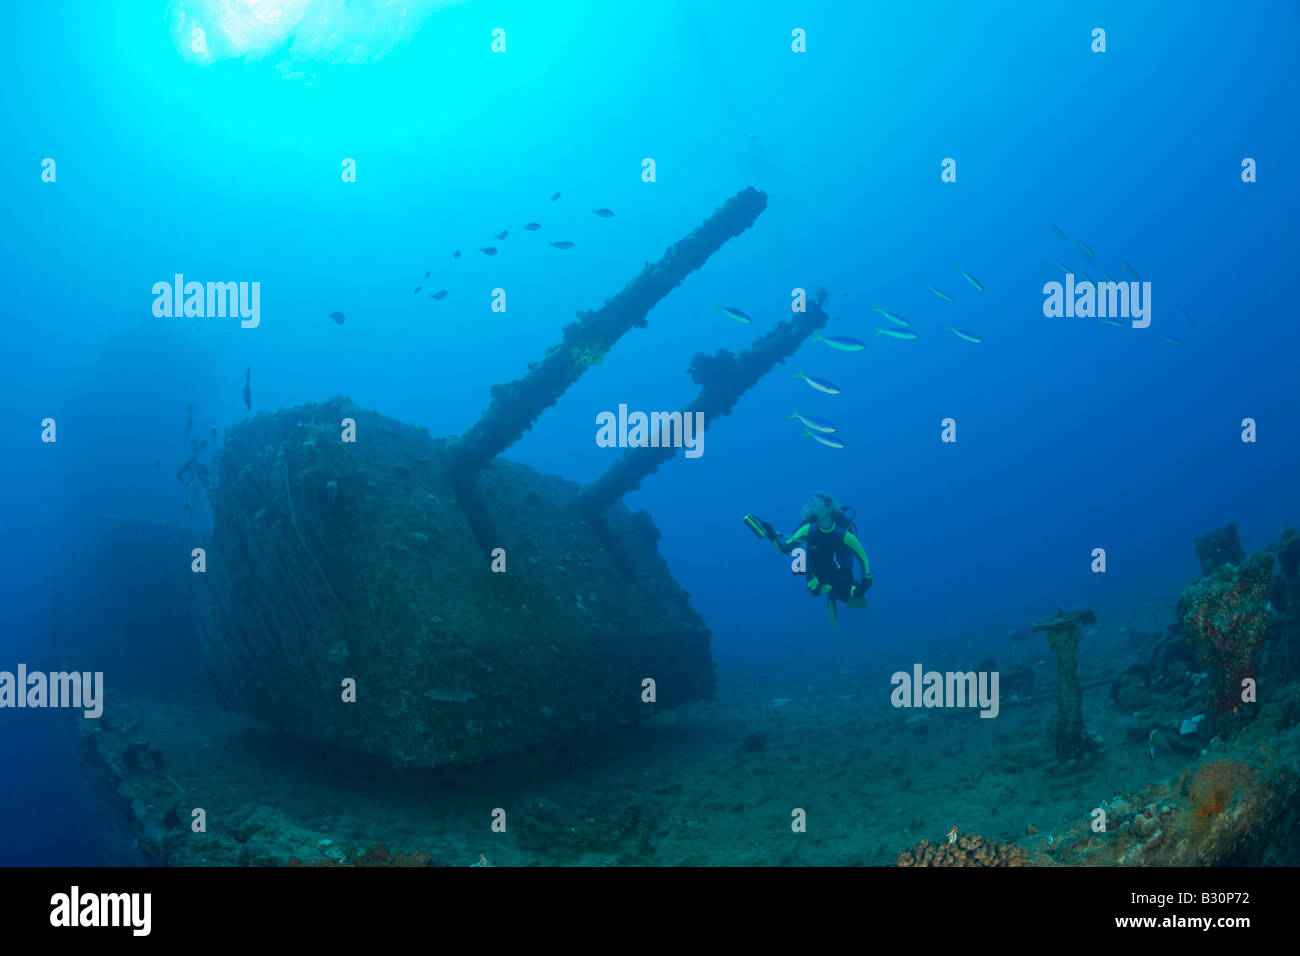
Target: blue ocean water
1071 435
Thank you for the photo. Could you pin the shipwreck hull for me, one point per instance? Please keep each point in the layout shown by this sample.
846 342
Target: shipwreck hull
365 560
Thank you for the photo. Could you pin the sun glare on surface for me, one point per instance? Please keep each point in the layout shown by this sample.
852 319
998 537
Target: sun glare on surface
297 34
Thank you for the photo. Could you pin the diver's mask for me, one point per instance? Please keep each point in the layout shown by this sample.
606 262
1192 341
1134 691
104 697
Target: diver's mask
818 512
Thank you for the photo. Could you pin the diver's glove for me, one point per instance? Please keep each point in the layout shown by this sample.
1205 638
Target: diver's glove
862 588
759 526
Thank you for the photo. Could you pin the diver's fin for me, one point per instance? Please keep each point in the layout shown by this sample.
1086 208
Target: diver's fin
830 606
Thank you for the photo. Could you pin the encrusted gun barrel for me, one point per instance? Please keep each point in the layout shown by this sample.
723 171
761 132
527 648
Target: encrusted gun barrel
723 378
516 405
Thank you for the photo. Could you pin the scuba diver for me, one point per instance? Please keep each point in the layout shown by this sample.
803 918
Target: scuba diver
829 536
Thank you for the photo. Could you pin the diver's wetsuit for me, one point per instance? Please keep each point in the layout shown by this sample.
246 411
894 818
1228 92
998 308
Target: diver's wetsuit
830 559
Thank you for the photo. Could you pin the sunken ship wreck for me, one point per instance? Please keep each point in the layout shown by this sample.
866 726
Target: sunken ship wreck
427 602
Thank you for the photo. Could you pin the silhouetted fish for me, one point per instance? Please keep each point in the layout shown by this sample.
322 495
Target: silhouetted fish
603 213
426 272
440 294
502 234
563 244
417 290
555 197
841 342
489 250
823 425
830 441
338 317
906 335
821 384
734 313
979 287
532 226
894 317
456 254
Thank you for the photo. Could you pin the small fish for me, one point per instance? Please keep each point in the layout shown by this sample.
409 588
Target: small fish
943 295
338 317
968 336
821 384
813 423
1118 325
532 226
895 318
489 250
1187 318
502 234
456 254
736 314
830 441
417 290
952 835
555 197
248 388
1056 230
603 213
1131 270
841 342
440 294
971 279
1061 265
563 244
427 272
907 335
1171 340
1151 745
1087 249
